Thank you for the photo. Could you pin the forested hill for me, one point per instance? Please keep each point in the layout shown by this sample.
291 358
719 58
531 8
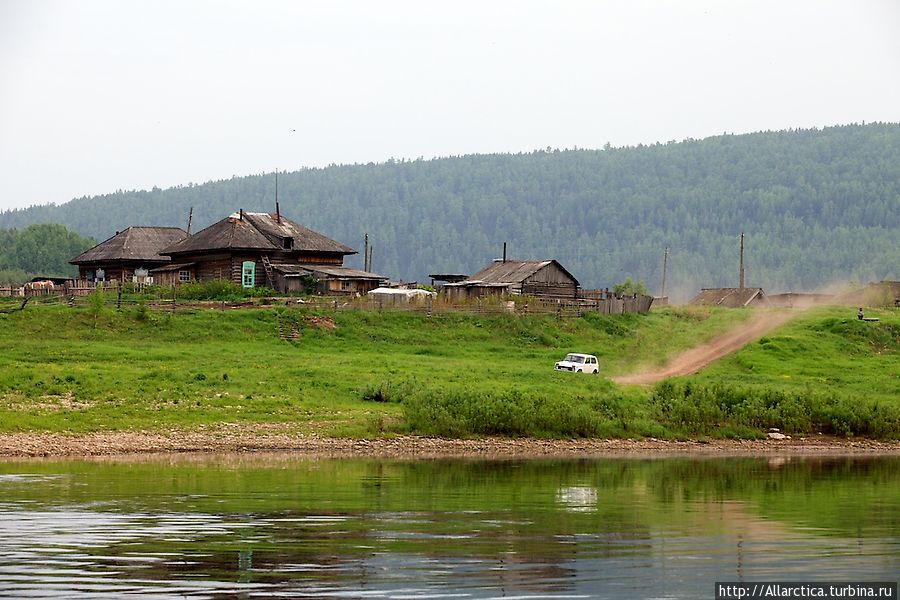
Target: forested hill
816 205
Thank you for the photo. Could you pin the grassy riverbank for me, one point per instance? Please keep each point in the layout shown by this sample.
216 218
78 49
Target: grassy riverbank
366 373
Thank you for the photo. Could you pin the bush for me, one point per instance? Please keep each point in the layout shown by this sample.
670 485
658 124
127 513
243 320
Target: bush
217 289
694 409
513 413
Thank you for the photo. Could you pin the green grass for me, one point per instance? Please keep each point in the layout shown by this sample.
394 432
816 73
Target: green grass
375 373
824 372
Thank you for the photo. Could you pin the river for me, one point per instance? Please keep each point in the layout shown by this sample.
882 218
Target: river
281 525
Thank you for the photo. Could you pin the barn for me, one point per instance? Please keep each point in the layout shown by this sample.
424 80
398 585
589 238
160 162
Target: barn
546 279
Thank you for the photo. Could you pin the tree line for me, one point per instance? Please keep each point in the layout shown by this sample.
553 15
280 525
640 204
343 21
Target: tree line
39 250
816 206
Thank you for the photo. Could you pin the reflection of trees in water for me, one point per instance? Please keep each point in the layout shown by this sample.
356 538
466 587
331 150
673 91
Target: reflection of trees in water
510 525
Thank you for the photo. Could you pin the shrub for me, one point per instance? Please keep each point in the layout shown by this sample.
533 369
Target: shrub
698 409
217 289
465 412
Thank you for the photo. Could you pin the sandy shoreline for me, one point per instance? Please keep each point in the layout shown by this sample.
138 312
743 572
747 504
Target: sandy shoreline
238 440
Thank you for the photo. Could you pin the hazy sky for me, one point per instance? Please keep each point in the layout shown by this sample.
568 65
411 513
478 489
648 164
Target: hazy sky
103 95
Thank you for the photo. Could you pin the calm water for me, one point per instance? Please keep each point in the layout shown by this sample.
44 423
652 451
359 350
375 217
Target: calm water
280 526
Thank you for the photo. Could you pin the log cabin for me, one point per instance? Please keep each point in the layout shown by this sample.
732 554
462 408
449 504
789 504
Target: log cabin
128 256
263 249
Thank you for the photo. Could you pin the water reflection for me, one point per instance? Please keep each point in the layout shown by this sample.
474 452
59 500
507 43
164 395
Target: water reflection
246 527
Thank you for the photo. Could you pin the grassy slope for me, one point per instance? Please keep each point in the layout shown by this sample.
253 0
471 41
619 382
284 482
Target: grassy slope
73 369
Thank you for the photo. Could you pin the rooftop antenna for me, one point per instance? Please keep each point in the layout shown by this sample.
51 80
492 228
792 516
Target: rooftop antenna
277 207
741 275
190 218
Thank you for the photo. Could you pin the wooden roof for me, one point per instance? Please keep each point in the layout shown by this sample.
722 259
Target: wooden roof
257 231
729 297
328 271
141 244
511 272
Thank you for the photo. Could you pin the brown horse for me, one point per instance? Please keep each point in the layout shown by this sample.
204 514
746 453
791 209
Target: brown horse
38 287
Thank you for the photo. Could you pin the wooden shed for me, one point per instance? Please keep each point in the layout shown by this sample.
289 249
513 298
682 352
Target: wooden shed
327 279
731 297
128 256
540 278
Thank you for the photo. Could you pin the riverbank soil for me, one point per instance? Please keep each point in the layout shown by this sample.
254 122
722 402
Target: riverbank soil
237 439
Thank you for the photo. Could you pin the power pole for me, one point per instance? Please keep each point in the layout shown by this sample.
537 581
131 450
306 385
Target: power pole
742 262
366 254
662 293
190 218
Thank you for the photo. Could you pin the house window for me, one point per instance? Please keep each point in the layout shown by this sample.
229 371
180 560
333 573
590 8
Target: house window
346 284
184 276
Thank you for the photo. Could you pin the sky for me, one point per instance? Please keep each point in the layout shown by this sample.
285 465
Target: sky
102 95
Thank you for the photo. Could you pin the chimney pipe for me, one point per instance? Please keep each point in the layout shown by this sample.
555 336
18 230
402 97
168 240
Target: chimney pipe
241 216
504 252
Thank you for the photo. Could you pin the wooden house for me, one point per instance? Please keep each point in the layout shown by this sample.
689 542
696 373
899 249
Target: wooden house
263 249
731 297
540 278
128 256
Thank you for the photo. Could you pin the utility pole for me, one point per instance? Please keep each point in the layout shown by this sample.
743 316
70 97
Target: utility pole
662 293
190 218
742 262
366 254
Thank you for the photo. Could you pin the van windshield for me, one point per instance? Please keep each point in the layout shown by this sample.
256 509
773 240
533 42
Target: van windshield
574 358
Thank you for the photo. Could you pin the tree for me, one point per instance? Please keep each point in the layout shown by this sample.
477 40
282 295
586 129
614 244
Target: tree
630 288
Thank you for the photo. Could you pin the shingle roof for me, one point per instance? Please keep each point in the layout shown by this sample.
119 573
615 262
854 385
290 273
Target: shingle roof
512 271
134 244
728 297
257 231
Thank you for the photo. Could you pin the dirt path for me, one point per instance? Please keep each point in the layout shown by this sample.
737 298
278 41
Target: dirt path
696 358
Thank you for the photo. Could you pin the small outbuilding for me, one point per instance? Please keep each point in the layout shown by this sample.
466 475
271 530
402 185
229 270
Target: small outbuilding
731 297
325 279
545 279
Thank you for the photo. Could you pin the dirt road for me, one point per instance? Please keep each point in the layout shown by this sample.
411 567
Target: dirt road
696 358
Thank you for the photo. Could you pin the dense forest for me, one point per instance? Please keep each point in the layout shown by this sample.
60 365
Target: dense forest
817 206
39 250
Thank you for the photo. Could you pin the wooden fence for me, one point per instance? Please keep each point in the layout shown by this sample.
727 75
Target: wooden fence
78 295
